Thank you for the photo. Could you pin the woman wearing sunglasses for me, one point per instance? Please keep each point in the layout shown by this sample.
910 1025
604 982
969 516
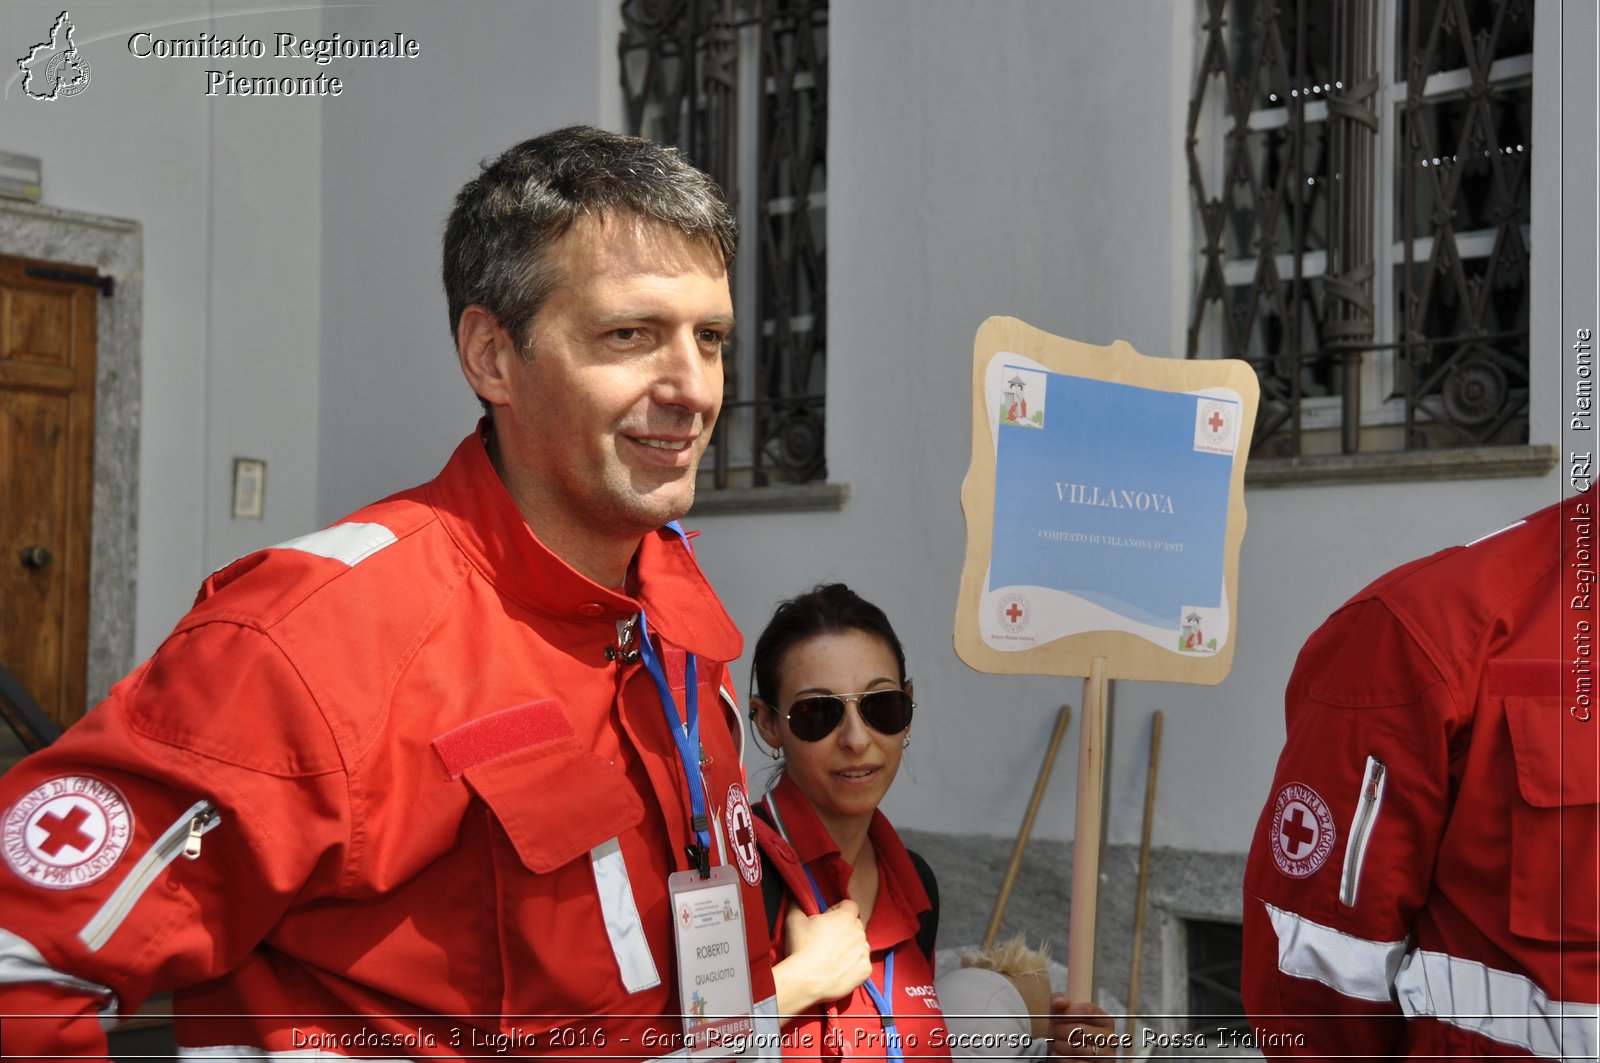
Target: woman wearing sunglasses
834 704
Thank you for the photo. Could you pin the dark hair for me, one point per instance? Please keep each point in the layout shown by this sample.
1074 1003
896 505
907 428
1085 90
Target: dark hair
826 609
497 241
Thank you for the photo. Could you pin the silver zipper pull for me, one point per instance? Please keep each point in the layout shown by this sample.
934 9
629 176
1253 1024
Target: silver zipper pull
197 827
1375 781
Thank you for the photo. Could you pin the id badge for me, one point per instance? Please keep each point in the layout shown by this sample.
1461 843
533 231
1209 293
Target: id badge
713 965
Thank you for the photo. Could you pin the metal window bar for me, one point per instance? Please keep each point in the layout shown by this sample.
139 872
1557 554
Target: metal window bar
680 79
1469 385
1215 957
1294 90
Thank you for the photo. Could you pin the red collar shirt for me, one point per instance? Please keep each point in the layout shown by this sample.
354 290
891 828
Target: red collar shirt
430 793
852 1027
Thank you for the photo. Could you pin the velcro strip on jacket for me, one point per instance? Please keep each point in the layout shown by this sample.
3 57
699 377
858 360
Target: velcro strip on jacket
536 723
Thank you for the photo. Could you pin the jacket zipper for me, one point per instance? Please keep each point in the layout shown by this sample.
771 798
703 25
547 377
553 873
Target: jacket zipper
1355 850
182 838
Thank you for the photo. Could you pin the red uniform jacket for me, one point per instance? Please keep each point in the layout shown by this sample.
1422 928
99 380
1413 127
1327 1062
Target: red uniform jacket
389 789
853 1028
1424 874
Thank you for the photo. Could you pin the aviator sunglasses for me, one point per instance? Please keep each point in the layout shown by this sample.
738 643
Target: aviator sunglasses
815 717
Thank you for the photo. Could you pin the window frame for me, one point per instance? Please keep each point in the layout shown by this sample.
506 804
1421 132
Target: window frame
1382 406
714 77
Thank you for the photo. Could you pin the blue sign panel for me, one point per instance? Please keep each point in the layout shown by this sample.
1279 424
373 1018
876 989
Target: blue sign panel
1110 510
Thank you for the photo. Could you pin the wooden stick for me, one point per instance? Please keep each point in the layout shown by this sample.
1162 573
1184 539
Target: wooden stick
1144 869
1009 882
1086 836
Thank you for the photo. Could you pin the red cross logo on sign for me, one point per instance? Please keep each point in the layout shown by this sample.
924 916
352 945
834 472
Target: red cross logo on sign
742 834
1013 612
1214 425
1302 830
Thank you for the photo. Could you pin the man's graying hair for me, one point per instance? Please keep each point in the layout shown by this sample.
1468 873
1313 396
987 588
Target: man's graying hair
497 242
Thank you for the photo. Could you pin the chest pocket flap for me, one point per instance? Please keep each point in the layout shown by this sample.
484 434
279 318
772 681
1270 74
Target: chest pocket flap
1557 818
1555 753
554 799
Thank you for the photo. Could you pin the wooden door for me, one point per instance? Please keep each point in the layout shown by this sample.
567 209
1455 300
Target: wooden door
47 353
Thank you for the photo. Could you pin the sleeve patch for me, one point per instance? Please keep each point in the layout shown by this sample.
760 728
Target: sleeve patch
67 832
1302 830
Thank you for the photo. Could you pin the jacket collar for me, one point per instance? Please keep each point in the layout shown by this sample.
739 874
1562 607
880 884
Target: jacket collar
901 897
480 516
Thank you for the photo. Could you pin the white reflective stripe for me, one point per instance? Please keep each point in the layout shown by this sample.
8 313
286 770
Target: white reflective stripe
621 914
727 698
716 830
768 1040
350 543
1343 962
98 930
1500 1005
1491 535
20 963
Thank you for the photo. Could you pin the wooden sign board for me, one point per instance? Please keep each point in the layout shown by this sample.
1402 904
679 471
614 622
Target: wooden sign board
1104 507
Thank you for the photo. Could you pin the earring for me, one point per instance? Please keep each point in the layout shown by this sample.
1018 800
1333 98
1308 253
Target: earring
907 743
773 753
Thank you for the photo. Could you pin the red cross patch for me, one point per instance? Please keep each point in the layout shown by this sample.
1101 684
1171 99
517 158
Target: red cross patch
67 832
741 828
1302 830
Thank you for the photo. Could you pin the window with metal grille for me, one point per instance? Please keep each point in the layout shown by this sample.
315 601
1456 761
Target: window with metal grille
1216 951
741 87
1360 175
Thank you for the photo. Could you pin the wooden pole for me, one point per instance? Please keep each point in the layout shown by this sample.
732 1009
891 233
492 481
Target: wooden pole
1144 869
1086 837
1009 882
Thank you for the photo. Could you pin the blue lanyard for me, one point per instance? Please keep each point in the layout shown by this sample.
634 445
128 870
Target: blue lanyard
880 997
685 732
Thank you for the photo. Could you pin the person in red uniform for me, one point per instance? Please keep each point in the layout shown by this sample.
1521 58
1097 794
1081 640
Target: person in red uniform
833 701
413 785
1423 879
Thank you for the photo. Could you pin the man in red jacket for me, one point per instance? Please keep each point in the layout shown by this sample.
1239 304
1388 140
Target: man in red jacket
1423 880
415 784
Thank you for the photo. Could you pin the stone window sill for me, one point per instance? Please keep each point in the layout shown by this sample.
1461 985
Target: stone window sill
1465 463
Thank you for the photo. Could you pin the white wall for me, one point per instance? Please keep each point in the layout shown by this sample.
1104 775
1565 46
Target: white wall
1013 158
228 192
1024 157
394 403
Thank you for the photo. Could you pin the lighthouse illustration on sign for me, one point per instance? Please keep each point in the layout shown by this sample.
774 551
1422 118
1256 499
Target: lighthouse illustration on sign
1023 403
